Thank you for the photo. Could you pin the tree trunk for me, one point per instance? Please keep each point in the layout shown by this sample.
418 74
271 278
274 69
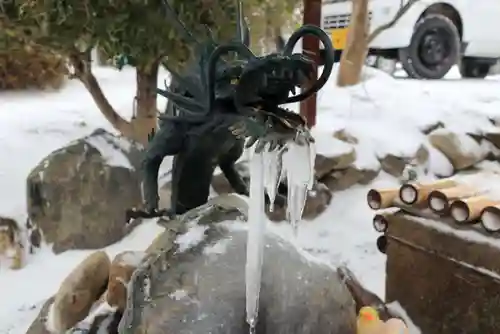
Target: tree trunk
146 113
93 87
354 55
144 119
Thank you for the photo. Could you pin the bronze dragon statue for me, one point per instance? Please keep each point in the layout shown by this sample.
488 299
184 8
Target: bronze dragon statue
218 104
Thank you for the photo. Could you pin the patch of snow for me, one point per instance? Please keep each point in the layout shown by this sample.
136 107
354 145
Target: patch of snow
192 237
53 322
459 213
438 204
179 295
439 164
102 308
490 221
329 146
132 259
220 247
408 194
471 234
110 153
396 308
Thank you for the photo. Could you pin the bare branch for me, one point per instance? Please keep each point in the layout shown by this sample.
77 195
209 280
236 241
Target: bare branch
402 10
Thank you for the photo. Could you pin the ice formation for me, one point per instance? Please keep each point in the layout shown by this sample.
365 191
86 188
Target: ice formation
255 241
296 162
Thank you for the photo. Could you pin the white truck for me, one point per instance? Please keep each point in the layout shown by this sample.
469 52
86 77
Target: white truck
431 37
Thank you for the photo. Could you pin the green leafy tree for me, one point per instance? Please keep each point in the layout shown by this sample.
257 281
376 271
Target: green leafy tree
138 29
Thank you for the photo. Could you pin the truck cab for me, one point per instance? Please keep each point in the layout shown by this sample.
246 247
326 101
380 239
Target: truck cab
429 38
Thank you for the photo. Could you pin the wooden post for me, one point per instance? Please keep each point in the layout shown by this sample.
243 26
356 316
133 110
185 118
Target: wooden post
310 47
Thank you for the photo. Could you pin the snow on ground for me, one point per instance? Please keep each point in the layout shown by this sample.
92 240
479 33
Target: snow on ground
384 113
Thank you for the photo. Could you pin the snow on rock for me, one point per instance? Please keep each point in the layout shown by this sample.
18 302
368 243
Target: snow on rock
111 148
120 273
438 163
220 247
461 149
194 235
396 309
327 145
77 197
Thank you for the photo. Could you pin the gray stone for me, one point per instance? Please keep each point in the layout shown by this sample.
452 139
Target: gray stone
201 288
78 195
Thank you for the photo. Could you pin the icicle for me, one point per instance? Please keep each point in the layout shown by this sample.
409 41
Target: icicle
256 237
272 173
298 160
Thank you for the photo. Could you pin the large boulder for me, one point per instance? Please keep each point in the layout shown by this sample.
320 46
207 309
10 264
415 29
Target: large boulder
193 281
78 195
76 296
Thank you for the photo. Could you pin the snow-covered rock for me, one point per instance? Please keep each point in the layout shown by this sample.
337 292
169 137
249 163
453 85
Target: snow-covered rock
78 195
121 271
11 244
461 149
76 295
196 276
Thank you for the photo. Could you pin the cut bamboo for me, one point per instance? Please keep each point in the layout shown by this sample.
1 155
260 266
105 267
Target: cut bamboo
381 199
469 209
382 244
490 218
417 193
439 200
380 223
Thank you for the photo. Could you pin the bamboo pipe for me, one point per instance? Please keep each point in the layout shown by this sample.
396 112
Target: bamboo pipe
469 209
381 199
416 193
439 200
490 218
382 244
380 223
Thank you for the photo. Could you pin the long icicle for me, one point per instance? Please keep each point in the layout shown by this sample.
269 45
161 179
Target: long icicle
256 238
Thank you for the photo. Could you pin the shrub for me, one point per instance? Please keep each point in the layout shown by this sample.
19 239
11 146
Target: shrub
28 67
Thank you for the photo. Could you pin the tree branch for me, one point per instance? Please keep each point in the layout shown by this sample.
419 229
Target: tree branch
80 61
402 10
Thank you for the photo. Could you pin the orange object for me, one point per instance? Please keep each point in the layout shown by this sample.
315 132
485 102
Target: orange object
368 321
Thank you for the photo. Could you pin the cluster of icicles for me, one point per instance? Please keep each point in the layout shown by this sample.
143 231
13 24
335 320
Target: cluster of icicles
295 164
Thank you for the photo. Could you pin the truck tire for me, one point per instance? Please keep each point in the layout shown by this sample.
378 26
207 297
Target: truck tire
434 48
472 68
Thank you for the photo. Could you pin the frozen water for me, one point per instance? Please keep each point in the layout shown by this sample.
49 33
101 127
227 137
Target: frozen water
298 161
255 242
265 173
272 173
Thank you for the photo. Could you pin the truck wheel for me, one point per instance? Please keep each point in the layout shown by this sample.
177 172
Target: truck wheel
434 48
472 68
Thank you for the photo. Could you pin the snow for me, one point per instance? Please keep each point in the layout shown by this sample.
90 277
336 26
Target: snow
328 146
491 221
386 116
194 235
132 259
396 308
107 148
